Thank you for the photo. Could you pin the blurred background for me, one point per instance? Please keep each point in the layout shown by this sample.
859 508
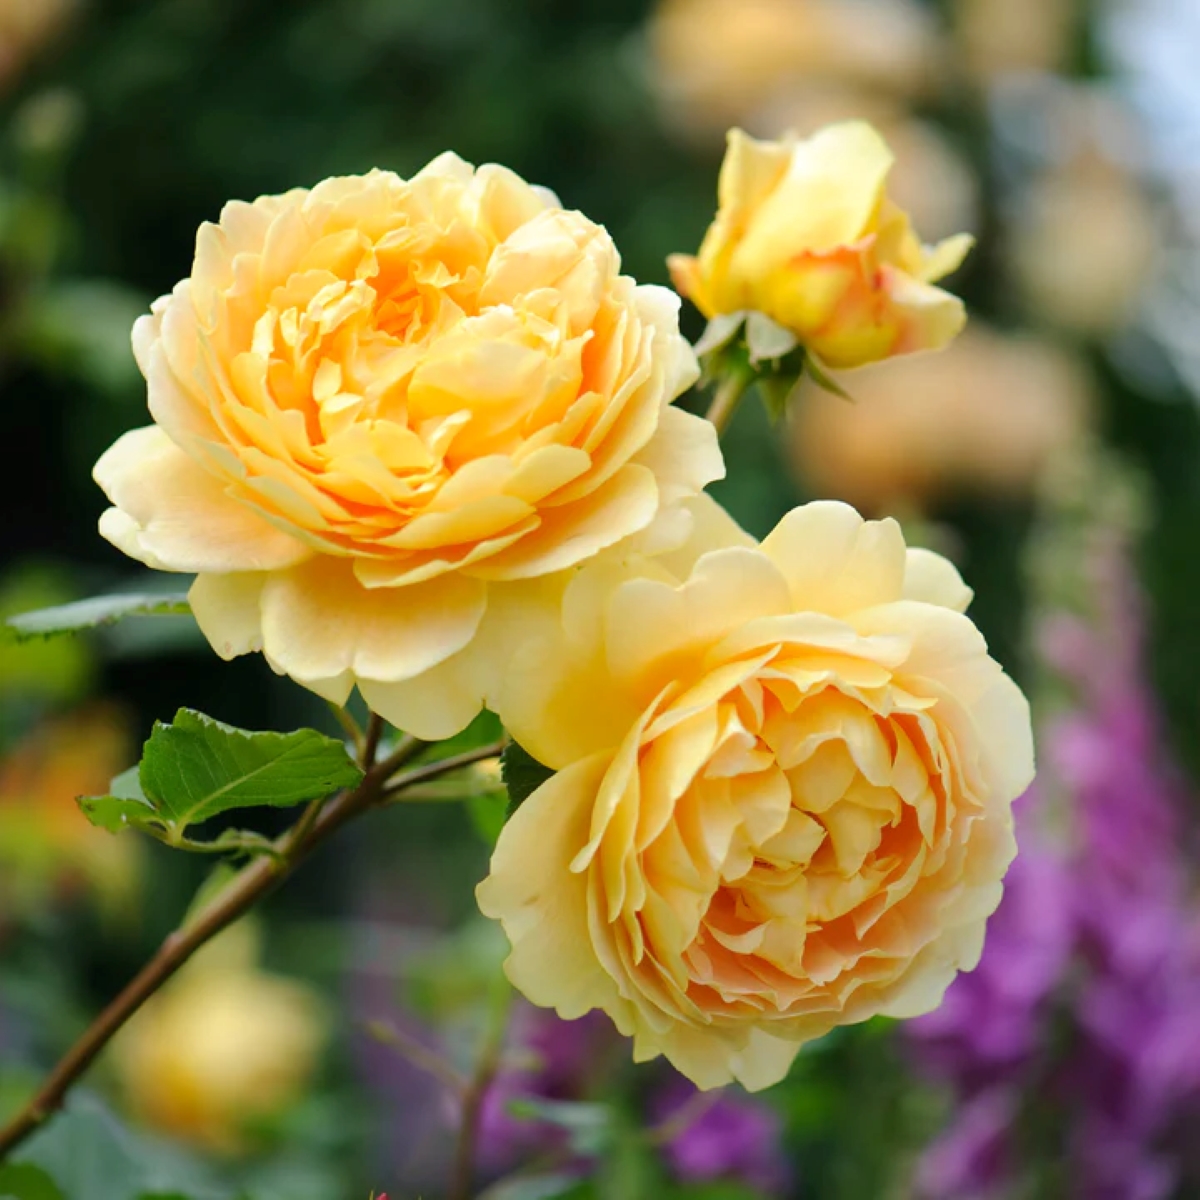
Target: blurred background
1053 452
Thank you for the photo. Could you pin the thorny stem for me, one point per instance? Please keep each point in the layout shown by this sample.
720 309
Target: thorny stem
319 822
730 392
463 1179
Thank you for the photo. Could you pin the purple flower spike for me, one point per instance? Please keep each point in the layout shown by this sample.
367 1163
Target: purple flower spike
735 1137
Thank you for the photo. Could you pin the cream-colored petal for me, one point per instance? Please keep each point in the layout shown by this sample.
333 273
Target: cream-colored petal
834 561
928 317
319 622
933 579
442 701
170 349
712 528
765 1060
684 455
557 696
711 1057
623 505
228 609
750 172
1005 726
176 516
145 333
542 904
923 985
674 357
434 705
654 631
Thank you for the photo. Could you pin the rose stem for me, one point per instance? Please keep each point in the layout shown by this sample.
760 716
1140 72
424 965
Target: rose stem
463 1180
729 395
441 766
318 823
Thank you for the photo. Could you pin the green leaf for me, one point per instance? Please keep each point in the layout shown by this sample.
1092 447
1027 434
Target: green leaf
89 614
125 806
90 1156
522 774
197 768
488 812
24 1181
58 670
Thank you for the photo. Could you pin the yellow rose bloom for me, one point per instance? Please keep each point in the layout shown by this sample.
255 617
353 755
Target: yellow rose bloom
805 233
223 1046
783 793
385 410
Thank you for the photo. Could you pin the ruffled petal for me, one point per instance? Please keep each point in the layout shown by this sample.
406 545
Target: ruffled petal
624 505
542 904
684 455
834 561
442 701
228 609
173 515
931 578
318 622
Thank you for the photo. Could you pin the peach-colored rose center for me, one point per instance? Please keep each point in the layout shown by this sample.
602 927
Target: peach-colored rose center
412 383
812 817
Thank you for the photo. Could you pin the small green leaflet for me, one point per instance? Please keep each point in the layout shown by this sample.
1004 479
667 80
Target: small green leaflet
522 774
24 1181
89 614
197 768
126 804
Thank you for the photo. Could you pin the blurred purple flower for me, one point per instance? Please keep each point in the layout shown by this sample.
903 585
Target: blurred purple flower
547 1059
734 1137
1109 1164
1104 920
971 1157
994 1016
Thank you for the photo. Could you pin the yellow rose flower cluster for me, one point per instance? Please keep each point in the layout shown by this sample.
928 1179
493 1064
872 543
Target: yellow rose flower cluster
806 234
417 437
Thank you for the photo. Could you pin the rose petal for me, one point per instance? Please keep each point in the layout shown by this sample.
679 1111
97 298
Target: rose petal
174 516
